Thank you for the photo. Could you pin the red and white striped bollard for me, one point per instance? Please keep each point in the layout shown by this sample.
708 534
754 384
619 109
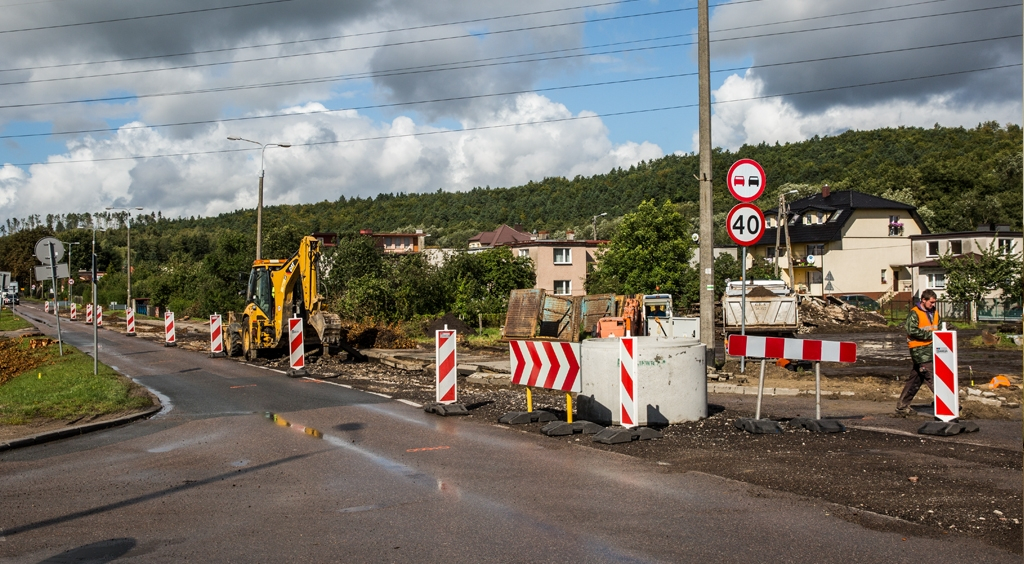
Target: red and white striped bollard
627 382
944 361
73 316
296 349
99 316
88 313
169 340
216 337
445 361
129 321
46 306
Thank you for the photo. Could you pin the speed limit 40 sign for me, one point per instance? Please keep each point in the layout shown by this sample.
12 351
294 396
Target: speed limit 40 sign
745 224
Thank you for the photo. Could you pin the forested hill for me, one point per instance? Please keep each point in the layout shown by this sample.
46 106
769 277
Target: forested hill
962 177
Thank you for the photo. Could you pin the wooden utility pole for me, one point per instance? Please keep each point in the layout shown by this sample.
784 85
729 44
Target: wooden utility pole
707 230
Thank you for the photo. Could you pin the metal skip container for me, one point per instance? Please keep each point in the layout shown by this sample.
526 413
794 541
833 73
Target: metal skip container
671 381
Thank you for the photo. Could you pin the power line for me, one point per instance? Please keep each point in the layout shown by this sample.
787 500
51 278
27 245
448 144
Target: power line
151 16
518 124
416 41
475 96
325 79
331 38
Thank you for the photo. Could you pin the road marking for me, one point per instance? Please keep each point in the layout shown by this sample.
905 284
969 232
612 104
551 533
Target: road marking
424 449
326 382
245 386
412 403
381 395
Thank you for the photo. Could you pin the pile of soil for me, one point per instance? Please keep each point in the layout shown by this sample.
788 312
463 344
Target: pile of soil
818 313
452 321
14 360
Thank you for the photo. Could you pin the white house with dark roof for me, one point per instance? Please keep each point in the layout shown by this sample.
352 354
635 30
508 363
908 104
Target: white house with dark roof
925 250
844 242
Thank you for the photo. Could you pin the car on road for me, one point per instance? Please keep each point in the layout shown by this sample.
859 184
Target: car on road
861 301
9 297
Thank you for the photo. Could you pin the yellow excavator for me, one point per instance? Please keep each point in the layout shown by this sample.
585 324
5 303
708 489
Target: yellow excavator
280 289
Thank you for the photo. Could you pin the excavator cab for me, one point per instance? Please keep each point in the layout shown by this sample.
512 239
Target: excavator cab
261 291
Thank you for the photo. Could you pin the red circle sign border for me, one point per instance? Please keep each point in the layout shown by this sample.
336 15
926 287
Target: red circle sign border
755 164
728 223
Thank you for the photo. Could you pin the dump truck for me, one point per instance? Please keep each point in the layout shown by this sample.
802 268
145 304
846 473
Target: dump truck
280 289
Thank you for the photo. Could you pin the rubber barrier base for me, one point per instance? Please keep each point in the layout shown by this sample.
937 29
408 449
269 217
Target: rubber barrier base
619 435
943 429
299 373
757 426
218 355
445 409
561 428
524 417
170 344
129 334
818 425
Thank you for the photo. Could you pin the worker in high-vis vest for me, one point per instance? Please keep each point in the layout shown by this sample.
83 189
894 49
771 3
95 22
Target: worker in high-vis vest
922 321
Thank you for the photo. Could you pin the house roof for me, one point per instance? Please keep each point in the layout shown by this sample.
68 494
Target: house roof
934 263
968 234
841 204
561 243
503 235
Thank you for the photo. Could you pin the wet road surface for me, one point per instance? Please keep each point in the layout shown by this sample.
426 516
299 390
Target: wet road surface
212 478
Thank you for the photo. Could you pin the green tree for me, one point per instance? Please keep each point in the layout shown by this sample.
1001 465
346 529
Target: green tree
649 253
970 277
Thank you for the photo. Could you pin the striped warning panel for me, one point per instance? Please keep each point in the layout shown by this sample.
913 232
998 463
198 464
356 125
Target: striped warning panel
545 364
792 349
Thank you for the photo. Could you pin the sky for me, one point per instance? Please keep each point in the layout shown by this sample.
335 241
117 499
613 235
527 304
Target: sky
111 103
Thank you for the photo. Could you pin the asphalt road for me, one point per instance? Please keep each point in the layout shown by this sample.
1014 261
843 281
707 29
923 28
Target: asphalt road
212 479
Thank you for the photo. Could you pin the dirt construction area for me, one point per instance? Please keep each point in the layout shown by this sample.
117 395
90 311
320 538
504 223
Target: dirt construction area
880 473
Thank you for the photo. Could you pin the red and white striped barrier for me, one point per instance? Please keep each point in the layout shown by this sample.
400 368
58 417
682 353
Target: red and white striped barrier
169 340
99 316
627 382
129 321
216 336
46 306
792 349
446 366
296 347
88 313
73 316
543 364
944 357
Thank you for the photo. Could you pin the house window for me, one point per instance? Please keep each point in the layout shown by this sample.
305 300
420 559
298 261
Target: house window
769 253
1006 246
563 287
814 277
563 256
387 242
884 272
895 226
524 253
933 248
816 250
936 280
956 247
807 219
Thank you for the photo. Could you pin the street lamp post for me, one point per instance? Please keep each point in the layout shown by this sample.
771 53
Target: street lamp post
259 201
128 256
595 223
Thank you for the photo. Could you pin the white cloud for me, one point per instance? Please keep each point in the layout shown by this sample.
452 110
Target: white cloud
316 168
752 121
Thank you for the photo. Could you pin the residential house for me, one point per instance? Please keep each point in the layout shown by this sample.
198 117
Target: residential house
843 242
925 250
503 235
560 265
397 243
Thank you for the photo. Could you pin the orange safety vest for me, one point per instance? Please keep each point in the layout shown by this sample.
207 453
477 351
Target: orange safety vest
923 323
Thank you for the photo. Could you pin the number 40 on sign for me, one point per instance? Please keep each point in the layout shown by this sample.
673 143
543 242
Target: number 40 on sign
745 223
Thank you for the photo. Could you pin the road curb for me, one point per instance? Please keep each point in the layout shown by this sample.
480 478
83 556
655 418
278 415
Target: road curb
77 430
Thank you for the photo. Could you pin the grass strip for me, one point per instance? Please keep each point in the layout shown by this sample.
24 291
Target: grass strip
11 322
63 387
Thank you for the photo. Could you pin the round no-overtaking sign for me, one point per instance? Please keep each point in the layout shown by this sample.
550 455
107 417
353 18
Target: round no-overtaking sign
746 180
745 224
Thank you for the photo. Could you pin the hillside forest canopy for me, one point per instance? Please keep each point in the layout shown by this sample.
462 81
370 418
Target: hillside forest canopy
957 177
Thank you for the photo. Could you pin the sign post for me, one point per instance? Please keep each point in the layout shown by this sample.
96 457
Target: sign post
745 224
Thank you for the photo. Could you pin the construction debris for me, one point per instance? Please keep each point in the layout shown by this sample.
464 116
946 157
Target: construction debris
817 312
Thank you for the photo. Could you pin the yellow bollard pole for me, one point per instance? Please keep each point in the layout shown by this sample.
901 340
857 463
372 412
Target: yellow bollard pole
529 400
568 407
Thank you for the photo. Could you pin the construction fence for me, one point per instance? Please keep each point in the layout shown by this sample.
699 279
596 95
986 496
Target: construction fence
988 310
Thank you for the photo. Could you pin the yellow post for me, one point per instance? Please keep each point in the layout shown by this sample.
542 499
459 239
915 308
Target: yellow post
568 407
529 400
